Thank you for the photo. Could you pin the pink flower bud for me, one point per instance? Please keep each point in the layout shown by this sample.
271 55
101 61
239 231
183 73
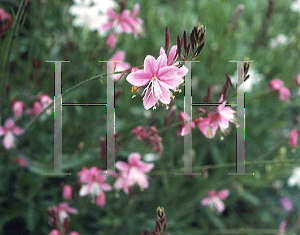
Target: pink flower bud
275 84
294 138
17 108
67 192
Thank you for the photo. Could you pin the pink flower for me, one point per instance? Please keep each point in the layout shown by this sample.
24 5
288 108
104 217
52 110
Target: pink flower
287 204
119 23
8 131
224 115
21 162
207 127
136 22
135 170
111 41
119 66
17 108
160 78
282 227
67 191
275 84
294 138
94 184
278 85
284 94
140 132
297 79
214 200
37 108
123 23
121 183
182 129
63 209
3 15
45 100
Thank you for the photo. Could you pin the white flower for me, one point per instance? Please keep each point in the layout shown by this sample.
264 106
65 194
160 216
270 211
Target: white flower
295 6
90 13
280 39
294 178
254 78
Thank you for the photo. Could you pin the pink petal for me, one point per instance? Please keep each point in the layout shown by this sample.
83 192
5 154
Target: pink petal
122 166
150 65
54 232
219 205
162 51
143 181
119 56
111 14
8 141
18 131
85 190
107 26
101 199
71 210
205 201
168 73
135 10
126 27
294 138
67 192
139 78
166 97
105 187
9 123
134 158
145 167
149 100
161 62
172 54
182 71
223 194
2 131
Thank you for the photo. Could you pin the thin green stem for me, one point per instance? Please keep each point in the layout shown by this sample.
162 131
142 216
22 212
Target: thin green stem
15 26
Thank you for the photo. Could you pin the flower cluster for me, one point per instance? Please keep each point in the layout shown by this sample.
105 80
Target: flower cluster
99 15
214 200
132 172
8 131
149 135
220 118
278 85
93 183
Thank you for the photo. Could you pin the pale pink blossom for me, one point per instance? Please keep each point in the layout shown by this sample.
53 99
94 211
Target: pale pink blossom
215 200
160 78
282 227
8 131
284 94
294 138
297 79
118 64
63 209
207 126
3 15
136 22
275 84
122 183
135 170
123 23
21 162
45 101
36 109
17 108
224 115
67 192
183 130
287 204
111 41
278 85
94 184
